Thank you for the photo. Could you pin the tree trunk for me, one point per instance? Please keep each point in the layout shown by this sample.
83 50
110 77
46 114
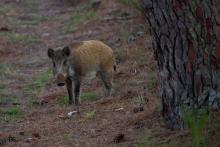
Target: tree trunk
187 49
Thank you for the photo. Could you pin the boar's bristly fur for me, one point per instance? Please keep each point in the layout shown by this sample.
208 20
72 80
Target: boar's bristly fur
73 62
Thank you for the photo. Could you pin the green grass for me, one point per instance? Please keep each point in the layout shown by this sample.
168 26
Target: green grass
152 83
138 101
11 114
77 18
33 20
15 37
174 143
196 121
118 55
89 96
90 114
63 101
6 69
30 5
134 3
145 142
7 72
114 145
38 83
3 10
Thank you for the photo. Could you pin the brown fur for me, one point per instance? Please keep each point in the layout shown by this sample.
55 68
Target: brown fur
91 56
79 58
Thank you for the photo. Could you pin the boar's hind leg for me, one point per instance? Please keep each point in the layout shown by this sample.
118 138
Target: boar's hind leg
70 90
107 77
77 90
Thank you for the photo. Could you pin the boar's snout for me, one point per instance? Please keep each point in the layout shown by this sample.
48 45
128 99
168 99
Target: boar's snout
60 80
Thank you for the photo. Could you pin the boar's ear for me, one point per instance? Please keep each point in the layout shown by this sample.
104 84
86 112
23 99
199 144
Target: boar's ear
66 51
50 52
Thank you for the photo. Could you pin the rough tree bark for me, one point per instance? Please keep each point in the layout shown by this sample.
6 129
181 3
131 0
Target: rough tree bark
187 49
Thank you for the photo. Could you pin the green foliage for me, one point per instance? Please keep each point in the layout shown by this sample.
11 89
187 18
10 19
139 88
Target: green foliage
145 142
77 18
11 114
151 83
90 114
39 82
139 100
15 37
72 2
196 121
134 3
64 101
3 10
118 55
6 69
89 96
33 20
174 143
30 5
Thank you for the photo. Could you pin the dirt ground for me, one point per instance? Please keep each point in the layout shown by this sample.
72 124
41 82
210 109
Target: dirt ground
130 117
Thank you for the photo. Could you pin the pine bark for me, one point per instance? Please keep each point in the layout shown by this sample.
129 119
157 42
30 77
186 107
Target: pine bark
187 49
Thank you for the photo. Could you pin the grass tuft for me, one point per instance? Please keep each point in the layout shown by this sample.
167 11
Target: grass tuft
89 96
196 121
6 69
63 101
77 18
33 20
118 55
152 83
39 82
90 114
3 10
134 3
15 37
145 142
11 114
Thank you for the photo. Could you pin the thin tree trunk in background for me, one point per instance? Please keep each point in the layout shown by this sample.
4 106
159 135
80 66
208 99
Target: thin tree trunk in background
187 49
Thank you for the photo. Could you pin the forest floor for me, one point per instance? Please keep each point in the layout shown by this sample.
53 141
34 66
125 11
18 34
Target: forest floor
33 111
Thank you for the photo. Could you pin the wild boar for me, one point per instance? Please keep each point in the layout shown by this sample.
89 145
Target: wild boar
71 63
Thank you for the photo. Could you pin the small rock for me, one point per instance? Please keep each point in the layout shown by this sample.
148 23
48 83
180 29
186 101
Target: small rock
131 38
140 33
36 135
21 133
125 14
119 138
119 109
71 113
4 29
16 103
138 125
138 109
28 140
43 102
63 117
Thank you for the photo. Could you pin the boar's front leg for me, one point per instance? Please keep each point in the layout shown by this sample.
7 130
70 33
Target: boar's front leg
69 89
77 83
